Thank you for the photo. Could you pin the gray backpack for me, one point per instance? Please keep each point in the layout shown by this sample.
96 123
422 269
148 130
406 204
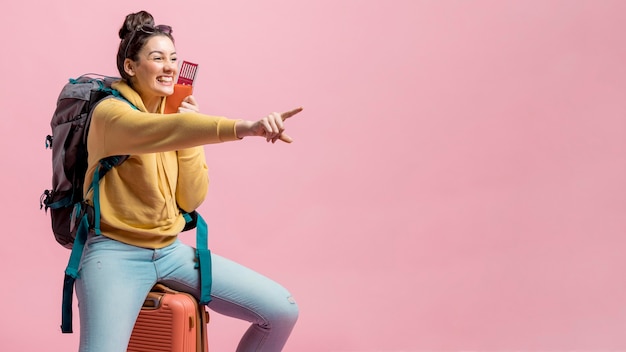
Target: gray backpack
68 141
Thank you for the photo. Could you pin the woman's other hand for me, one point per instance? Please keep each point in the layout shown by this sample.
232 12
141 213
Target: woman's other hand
189 104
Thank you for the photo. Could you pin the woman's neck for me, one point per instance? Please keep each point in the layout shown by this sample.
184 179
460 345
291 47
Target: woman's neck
152 103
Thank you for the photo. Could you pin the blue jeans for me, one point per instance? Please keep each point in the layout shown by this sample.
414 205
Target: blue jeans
115 279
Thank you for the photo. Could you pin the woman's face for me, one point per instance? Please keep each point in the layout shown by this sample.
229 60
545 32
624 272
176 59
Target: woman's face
155 69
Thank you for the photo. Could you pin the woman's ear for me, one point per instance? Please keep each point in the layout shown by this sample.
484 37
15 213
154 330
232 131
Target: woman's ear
129 67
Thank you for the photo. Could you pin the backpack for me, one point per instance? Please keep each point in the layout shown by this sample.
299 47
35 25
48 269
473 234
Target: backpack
71 218
68 141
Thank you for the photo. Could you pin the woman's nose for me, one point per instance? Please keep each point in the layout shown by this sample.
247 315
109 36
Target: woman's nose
170 65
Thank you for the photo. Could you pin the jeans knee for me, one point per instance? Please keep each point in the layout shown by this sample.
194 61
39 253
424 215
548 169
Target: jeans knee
287 313
292 310
280 316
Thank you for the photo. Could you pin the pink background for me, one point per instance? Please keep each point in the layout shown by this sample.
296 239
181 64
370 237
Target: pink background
457 180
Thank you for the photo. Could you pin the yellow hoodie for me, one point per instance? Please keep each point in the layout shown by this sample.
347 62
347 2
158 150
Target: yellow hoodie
140 199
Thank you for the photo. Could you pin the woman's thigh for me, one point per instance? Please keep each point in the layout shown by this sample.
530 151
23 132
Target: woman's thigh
237 291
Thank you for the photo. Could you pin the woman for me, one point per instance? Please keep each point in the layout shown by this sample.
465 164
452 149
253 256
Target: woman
141 202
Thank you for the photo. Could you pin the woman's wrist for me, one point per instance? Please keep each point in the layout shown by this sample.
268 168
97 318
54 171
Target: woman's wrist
242 128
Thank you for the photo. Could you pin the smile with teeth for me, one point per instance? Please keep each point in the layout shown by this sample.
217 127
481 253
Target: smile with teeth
165 79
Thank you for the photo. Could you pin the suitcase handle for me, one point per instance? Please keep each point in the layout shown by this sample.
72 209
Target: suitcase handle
153 300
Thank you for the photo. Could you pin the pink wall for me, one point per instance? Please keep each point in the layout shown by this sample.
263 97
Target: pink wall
456 183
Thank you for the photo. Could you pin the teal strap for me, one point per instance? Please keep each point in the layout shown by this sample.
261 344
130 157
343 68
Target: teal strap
203 255
79 243
62 203
96 199
71 273
66 309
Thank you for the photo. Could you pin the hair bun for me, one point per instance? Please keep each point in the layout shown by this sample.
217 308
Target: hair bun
135 20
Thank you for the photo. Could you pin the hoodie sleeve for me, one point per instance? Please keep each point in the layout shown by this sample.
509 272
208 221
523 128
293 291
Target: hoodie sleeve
119 129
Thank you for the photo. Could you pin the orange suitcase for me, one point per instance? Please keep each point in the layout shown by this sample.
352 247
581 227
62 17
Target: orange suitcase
170 321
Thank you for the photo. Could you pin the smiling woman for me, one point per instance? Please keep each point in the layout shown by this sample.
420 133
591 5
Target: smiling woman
142 202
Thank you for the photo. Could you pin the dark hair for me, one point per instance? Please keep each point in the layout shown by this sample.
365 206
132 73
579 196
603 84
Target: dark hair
133 39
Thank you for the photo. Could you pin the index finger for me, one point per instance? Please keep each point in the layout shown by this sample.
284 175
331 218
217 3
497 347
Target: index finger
288 114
